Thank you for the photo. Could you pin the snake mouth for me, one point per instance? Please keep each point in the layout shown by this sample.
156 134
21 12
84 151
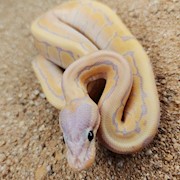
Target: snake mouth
83 160
78 165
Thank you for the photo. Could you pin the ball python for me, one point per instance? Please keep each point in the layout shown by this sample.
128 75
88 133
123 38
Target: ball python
107 89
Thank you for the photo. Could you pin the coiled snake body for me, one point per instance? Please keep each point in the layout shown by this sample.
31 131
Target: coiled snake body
99 52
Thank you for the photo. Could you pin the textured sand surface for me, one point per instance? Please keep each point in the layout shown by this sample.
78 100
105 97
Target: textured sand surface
31 145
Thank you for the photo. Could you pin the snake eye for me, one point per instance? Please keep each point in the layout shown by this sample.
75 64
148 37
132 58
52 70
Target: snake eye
90 135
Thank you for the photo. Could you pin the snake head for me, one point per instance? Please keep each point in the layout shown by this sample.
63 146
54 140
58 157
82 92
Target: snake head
79 122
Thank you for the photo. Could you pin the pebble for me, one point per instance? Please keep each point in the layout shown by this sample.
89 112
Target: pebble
9 98
148 152
42 95
4 170
31 102
2 143
40 173
109 162
1 130
12 140
9 162
120 164
2 27
8 114
2 157
41 128
143 168
166 177
156 157
21 123
20 95
163 81
166 168
58 156
36 103
169 157
154 7
174 140
49 169
170 8
36 92
176 145
158 164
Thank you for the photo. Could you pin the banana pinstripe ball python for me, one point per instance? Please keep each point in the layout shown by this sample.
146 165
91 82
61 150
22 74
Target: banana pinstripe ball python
108 88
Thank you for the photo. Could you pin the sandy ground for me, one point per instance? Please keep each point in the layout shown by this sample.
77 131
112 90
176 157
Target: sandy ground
31 145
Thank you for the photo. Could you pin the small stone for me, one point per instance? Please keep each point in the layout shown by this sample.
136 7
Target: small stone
58 156
2 27
166 168
163 81
42 95
41 128
36 103
154 7
20 95
109 162
36 92
40 173
177 167
4 170
174 140
148 152
2 143
31 102
16 160
156 157
21 123
9 162
9 98
13 140
67 177
169 157
8 114
158 165
176 145
2 157
166 177
49 169
120 164
1 131
170 8
143 168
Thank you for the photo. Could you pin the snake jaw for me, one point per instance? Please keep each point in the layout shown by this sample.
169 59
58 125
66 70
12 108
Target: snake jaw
84 159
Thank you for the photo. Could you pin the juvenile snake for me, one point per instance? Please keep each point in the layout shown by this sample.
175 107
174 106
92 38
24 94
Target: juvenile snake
101 56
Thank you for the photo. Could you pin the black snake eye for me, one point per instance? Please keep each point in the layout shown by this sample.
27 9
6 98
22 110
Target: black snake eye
90 135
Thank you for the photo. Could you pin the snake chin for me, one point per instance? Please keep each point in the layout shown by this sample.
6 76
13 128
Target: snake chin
82 161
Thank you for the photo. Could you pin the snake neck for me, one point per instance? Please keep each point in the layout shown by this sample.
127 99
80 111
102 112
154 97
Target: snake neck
96 77
105 70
